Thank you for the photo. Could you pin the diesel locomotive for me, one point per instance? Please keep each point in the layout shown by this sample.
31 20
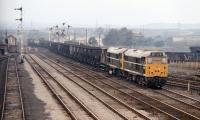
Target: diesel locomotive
145 67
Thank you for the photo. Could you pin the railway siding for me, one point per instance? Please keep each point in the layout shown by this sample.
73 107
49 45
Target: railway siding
39 103
131 100
13 108
178 115
185 99
3 67
92 103
61 94
183 83
110 101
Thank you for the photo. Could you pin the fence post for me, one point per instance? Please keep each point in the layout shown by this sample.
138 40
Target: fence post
189 87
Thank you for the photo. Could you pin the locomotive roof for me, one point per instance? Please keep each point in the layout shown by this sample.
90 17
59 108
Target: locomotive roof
140 53
116 50
81 45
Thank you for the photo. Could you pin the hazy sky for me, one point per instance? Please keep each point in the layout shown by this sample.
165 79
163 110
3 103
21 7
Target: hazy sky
100 12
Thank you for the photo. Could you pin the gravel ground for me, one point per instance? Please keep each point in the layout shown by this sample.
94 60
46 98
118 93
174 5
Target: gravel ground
38 101
98 108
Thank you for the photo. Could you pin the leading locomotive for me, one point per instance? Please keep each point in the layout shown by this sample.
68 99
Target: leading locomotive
145 67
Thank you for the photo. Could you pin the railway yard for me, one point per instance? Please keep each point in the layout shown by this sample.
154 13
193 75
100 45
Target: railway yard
50 86
100 60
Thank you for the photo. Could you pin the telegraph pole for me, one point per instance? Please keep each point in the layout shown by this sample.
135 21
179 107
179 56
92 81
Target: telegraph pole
20 29
6 34
57 33
68 32
86 36
99 39
50 30
74 36
49 35
63 32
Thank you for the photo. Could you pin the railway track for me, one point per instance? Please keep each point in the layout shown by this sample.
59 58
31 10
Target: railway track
13 108
188 100
166 109
117 105
100 94
183 83
3 58
3 67
63 95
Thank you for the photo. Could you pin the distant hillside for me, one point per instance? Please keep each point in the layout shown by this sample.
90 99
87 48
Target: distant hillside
170 26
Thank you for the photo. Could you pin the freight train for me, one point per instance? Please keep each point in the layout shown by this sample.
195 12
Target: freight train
145 67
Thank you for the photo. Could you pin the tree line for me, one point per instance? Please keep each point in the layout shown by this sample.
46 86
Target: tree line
125 37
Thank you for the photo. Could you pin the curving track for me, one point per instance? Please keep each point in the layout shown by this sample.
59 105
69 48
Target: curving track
64 96
167 109
125 113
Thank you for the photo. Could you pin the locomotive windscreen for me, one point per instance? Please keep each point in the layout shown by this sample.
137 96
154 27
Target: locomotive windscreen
157 54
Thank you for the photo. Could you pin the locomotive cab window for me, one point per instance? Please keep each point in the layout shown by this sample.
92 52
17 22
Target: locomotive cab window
117 56
157 54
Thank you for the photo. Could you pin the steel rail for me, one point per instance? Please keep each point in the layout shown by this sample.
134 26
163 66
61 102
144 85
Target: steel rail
19 91
181 95
121 92
100 89
68 92
193 106
4 57
150 98
182 85
189 115
184 81
5 91
52 90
